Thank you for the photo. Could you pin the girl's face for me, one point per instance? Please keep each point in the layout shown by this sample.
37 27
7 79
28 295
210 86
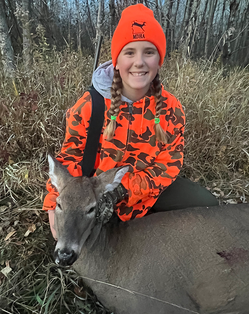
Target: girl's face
138 64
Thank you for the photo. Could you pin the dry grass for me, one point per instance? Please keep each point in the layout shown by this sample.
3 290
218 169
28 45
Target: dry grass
29 280
32 117
217 130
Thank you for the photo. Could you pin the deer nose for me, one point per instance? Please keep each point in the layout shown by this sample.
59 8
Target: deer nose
65 257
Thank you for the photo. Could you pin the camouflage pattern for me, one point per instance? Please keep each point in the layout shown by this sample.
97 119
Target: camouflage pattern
153 165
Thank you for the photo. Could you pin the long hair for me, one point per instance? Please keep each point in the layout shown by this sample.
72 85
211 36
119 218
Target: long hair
161 135
116 91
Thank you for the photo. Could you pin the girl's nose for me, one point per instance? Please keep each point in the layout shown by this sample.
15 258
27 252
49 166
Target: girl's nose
139 61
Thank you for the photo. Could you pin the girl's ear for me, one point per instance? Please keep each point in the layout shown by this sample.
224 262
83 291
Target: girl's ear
117 67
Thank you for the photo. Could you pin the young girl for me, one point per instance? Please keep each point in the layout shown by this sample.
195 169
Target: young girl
143 125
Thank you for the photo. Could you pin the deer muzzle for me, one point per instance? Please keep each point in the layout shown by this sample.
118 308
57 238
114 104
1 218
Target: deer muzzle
65 257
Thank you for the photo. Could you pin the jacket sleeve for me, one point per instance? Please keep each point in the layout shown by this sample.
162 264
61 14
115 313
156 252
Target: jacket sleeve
151 181
72 150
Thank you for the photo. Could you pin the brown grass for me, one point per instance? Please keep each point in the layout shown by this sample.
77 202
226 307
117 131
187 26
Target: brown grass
217 129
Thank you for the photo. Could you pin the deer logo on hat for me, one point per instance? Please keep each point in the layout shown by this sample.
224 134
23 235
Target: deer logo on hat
138 29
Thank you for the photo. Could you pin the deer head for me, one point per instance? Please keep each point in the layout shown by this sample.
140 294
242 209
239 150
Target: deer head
75 212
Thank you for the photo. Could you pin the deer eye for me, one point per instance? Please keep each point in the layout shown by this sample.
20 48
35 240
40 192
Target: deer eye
91 210
59 206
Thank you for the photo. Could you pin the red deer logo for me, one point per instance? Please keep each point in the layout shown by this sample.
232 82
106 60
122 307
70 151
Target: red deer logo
138 29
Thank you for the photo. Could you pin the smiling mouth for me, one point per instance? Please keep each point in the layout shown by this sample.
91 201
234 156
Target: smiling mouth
138 74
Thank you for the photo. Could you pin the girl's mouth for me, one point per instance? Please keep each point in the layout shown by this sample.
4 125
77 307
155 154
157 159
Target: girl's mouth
138 74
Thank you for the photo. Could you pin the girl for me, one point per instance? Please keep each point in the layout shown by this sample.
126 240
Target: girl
143 128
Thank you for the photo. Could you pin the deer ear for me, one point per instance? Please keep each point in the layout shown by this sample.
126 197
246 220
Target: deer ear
57 173
108 181
117 179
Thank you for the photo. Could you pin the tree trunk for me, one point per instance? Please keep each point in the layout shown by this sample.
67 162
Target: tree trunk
202 31
69 28
193 32
190 27
231 30
245 38
98 28
212 8
185 22
175 35
169 26
157 12
222 17
112 16
16 34
93 31
22 14
79 31
5 44
27 47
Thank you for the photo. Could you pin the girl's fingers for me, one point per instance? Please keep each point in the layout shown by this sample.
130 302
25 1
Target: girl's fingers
51 222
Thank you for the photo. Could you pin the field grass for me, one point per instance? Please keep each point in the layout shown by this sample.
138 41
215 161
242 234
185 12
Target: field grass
32 119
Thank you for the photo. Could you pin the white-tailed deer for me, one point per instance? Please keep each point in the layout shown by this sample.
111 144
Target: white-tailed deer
187 261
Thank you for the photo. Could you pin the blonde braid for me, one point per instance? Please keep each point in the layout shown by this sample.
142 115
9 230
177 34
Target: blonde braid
116 91
161 135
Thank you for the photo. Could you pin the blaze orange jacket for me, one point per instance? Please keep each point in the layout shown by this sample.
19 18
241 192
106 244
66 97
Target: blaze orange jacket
154 165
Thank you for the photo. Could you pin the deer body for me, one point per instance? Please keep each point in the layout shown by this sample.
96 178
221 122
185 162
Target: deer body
188 261
191 260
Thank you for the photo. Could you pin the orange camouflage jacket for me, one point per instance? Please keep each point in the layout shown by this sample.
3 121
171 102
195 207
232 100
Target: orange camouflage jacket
154 166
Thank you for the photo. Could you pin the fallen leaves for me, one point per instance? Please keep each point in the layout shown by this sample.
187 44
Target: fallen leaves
31 229
5 271
3 208
80 292
9 235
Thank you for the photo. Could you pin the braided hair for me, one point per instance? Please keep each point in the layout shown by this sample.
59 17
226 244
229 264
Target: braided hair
161 135
116 92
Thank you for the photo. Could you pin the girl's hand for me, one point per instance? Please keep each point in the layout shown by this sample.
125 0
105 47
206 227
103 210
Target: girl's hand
107 202
51 222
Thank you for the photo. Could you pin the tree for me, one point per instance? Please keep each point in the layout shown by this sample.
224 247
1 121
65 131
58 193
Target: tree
212 7
169 26
27 46
22 13
112 15
233 6
200 28
5 43
78 25
98 27
245 37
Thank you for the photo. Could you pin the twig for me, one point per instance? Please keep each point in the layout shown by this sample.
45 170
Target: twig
141 294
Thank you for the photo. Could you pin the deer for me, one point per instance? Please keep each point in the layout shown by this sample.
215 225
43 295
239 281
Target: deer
141 25
194 260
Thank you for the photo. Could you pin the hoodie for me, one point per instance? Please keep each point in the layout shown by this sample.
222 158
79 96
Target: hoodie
153 165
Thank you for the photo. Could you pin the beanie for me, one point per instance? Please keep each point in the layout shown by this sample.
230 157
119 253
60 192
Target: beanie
137 23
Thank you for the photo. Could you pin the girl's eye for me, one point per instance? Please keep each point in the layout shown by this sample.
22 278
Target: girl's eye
129 53
150 52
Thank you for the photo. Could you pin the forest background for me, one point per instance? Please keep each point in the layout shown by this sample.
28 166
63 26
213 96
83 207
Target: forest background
46 61
202 28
